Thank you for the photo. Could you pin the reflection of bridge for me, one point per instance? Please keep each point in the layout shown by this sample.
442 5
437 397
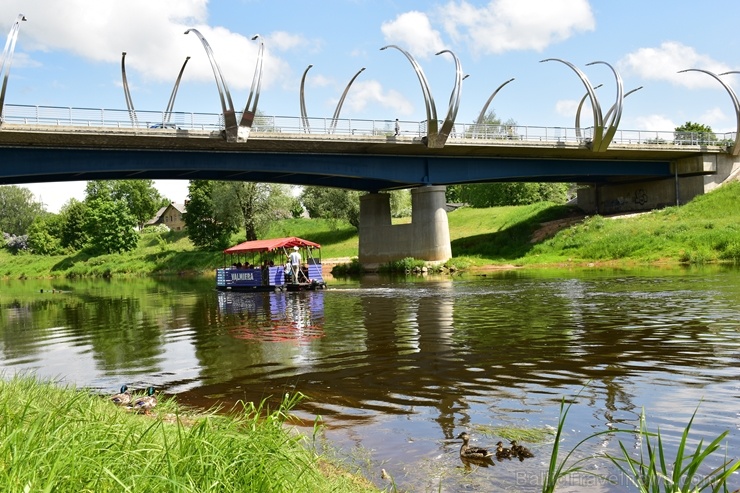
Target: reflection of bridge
640 170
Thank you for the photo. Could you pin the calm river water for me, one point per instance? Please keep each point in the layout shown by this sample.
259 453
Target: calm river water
397 368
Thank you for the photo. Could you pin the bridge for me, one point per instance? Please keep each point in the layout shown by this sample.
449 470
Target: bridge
624 170
640 170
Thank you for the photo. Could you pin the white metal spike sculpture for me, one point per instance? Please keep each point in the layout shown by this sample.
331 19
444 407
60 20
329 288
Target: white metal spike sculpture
598 116
167 115
304 114
736 146
341 101
8 58
250 110
431 109
234 132
482 115
127 93
454 104
173 95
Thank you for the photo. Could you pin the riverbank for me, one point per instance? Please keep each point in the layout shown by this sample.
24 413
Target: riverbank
540 235
68 440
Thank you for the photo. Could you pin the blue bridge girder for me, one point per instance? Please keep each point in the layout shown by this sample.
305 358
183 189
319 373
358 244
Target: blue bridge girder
43 153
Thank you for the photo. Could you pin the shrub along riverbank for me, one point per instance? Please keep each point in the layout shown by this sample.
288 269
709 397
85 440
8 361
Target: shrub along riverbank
703 231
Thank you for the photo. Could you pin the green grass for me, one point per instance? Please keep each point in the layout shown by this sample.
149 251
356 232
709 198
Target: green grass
706 230
61 439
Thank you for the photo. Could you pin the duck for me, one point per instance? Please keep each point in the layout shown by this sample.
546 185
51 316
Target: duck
520 451
476 455
122 398
146 402
502 452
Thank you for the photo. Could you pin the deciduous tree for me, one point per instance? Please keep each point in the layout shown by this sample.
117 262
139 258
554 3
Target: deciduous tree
18 209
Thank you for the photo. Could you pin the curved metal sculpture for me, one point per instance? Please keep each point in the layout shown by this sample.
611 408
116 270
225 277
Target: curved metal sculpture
612 109
304 115
483 110
227 106
250 110
171 103
449 122
8 58
334 118
127 93
611 121
598 116
578 113
431 109
736 147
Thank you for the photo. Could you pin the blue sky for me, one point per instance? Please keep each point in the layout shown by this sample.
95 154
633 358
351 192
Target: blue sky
69 54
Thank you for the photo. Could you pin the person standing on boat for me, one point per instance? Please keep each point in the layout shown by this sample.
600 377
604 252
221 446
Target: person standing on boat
295 263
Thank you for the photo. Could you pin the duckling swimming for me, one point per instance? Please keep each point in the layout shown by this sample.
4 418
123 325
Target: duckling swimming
122 398
502 452
475 455
520 451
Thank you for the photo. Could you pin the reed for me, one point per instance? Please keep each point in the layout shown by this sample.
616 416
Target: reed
688 471
61 439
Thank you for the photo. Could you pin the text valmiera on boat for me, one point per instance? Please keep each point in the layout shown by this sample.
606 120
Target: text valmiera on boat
278 264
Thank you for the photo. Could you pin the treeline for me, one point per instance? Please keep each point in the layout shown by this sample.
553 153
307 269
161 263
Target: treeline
113 213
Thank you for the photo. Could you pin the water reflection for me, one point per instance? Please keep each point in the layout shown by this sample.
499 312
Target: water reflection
402 367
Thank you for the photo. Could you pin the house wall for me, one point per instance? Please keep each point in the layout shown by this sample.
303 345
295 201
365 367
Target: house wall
172 218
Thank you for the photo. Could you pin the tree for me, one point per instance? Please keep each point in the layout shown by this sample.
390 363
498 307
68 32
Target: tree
511 193
18 209
44 234
253 206
204 229
110 227
694 133
332 203
142 199
73 217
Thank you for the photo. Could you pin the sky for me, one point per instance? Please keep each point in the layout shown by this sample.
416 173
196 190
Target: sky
69 54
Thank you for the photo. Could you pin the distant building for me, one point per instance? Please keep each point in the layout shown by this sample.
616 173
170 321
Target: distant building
170 216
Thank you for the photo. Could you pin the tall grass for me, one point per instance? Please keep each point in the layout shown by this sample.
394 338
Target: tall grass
65 440
652 473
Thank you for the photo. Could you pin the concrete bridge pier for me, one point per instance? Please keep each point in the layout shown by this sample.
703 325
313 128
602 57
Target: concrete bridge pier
427 237
692 176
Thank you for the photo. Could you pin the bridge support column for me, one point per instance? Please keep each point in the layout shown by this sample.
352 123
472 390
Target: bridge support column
693 176
426 238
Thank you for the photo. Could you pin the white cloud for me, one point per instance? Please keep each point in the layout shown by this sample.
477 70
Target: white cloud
665 61
152 34
655 123
284 41
508 25
364 93
567 107
413 32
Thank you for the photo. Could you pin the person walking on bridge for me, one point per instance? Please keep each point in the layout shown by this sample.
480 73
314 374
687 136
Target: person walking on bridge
398 128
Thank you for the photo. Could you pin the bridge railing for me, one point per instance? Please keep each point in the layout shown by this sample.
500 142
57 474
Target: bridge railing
344 127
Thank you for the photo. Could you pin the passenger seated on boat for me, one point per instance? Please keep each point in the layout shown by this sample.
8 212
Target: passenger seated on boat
287 271
238 265
304 272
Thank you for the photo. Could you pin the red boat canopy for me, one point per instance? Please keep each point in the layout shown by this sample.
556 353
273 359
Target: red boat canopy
270 245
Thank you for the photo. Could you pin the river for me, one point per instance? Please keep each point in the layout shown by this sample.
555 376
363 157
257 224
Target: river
397 368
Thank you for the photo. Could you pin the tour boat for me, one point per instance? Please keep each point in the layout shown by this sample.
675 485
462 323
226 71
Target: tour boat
264 265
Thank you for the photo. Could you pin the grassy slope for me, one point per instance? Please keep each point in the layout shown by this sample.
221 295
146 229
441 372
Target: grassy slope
705 230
